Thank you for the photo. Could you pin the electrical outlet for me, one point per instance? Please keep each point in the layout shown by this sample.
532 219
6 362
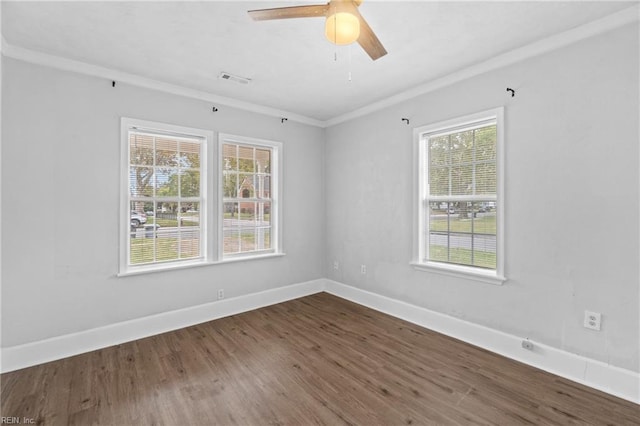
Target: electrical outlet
221 294
336 265
363 269
592 320
526 344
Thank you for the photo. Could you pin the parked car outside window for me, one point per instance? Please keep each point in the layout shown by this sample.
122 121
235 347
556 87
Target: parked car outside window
138 219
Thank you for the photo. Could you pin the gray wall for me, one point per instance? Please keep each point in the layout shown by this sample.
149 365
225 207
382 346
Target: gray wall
572 195
60 205
572 189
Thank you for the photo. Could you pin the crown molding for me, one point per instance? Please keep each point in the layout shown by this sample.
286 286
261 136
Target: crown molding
58 62
591 29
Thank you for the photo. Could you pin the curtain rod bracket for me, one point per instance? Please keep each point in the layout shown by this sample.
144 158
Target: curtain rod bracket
513 92
407 120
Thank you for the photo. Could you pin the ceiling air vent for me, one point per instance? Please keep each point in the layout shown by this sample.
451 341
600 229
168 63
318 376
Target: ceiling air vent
236 78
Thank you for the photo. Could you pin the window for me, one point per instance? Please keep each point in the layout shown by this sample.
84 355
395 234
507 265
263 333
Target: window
164 195
172 189
249 173
459 202
173 194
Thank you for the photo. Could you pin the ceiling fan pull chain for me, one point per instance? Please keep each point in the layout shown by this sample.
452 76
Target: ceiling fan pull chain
335 34
349 63
350 54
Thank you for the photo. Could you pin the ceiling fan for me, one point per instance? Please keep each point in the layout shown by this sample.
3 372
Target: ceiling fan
343 25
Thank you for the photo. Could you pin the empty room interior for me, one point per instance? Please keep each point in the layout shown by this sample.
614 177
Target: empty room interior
353 212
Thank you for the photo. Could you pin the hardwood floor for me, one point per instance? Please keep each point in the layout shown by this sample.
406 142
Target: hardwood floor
315 360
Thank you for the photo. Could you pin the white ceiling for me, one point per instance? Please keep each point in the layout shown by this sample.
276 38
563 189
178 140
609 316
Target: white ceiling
292 66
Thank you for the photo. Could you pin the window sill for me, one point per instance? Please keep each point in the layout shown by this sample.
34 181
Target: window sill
241 258
187 265
489 277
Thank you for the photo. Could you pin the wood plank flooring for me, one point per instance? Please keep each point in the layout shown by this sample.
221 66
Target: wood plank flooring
319 360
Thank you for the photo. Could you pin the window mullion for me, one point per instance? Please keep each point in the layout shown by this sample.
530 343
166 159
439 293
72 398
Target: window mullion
473 186
449 163
154 194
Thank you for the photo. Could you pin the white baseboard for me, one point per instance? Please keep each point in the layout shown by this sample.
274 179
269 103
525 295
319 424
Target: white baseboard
29 354
595 374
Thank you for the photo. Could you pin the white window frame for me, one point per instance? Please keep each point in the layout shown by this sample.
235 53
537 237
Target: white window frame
275 193
212 241
420 179
206 192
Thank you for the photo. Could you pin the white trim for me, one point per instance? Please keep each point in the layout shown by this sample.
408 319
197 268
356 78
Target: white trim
207 172
500 181
557 41
549 44
596 374
277 182
29 354
172 266
421 190
460 271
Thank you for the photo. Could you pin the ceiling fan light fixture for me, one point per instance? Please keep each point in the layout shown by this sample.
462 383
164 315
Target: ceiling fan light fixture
342 28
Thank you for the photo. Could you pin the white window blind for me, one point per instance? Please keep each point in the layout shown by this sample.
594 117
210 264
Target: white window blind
164 220
172 190
460 194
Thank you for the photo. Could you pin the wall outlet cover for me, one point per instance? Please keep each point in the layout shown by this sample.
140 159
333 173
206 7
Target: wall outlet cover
592 320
